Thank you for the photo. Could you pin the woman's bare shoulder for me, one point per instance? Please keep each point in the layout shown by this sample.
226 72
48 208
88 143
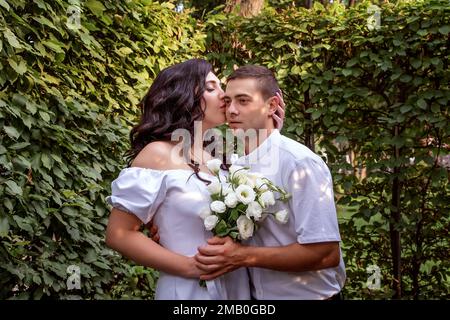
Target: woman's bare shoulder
155 155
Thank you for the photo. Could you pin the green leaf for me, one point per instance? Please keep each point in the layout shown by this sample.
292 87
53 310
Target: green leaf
422 104
11 37
221 228
31 106
341 139
102 265
13 189
19 145
299 130
347 72
124 51
316 114
44 115
23 223
28 121
37 279
90 257
4 4
20 68
53 45
46 161
11 132
435 108
444 29
96 7
405 78
422 32
405 108
8 204
43 20
4 226
279 43
416 63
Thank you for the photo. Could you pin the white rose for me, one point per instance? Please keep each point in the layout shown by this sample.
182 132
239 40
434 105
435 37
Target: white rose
231 200
218 206
214 187
210 222
282 216
214 165
245 194
267 198
205 212
254 210
245 227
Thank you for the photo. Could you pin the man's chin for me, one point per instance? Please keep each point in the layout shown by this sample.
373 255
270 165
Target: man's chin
235 125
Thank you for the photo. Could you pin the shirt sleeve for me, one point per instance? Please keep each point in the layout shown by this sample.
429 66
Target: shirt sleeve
312 203
138 191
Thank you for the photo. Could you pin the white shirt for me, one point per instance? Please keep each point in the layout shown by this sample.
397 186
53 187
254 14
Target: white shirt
175 199
312 218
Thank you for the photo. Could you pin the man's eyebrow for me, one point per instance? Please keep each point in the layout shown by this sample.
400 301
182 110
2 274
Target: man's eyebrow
242 95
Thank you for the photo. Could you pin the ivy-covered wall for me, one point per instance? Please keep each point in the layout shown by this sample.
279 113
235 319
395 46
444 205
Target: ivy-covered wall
368 89
70 80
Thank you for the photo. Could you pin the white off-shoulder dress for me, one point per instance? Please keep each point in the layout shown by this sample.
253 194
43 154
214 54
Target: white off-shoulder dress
175 198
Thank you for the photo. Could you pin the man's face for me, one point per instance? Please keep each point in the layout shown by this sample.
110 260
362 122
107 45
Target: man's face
245 105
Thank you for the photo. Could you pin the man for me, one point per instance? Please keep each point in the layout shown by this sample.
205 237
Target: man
297 260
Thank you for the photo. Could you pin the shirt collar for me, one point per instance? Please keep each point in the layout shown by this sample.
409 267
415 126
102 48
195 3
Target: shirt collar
260 151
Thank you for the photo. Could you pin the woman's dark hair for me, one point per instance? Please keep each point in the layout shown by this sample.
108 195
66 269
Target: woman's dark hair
172 102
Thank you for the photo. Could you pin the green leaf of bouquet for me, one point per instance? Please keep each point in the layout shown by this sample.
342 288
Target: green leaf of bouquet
221 228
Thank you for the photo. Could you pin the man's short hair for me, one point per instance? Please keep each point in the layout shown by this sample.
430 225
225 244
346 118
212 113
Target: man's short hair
266 81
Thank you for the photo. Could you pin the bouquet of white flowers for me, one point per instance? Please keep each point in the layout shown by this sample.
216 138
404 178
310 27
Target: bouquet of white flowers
240 201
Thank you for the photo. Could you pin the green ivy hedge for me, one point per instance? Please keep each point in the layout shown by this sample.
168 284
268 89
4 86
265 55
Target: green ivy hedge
68 95
379 92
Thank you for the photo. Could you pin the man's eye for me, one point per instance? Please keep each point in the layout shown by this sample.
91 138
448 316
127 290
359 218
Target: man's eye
243 101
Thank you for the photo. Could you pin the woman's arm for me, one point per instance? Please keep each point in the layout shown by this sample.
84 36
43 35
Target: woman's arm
123 235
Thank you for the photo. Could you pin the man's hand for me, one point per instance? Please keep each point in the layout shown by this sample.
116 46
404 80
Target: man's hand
154 235
278 116
220 256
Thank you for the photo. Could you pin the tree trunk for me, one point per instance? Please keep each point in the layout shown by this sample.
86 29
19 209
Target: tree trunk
247 8
394 232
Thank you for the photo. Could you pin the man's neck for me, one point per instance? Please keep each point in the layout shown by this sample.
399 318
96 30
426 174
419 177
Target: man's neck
251 143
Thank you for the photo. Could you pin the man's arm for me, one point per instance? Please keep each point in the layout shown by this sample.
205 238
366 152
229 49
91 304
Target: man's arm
223 255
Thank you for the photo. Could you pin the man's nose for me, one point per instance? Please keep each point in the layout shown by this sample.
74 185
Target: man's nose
231 108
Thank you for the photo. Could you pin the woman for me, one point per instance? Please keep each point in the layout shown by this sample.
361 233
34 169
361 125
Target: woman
162 185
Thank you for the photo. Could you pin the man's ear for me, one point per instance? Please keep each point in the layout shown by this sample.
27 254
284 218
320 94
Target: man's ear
273 104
